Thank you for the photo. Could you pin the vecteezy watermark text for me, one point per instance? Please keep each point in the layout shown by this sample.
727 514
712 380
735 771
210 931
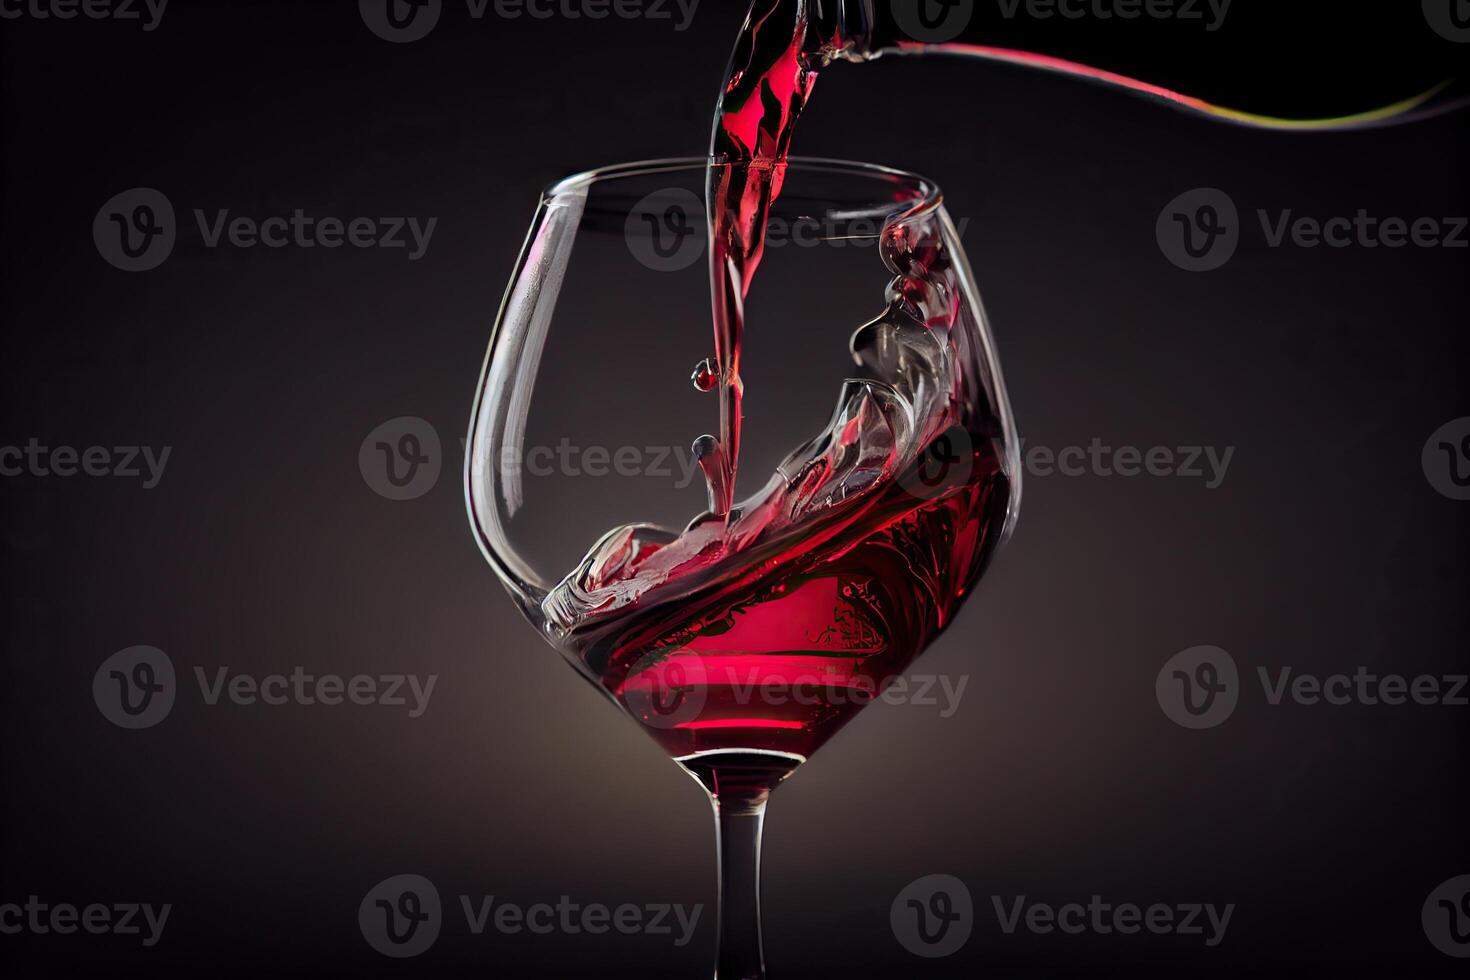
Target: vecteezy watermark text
405 21
136 688
1200 230
1208 463
676 694
305 231
1201 687
571 918
402 917
122 462
568 459
300 687
940 21
147 12
1209 14
136 231
64 918
402 460
1106 918
667 230
934 916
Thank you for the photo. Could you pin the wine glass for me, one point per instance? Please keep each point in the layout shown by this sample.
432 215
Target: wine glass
741 640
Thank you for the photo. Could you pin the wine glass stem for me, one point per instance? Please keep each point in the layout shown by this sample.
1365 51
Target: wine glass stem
738 825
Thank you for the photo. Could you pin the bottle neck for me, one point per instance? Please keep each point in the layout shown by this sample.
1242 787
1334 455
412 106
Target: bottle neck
845 30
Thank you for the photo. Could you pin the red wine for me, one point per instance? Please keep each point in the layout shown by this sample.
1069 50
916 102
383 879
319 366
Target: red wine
770 80
786 644
744 642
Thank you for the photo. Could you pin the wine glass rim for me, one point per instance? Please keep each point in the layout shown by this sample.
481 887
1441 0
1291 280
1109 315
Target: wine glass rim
927 193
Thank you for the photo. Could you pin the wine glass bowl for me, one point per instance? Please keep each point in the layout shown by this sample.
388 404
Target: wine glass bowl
741 639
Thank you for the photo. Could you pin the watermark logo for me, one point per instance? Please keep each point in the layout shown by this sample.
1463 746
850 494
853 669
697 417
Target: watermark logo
1362 687
666 691
933 916
135 688
401 459
135 231
568 459
303 231
571 918
401 21
1199 687
1184 11
1446 917
1446 459
148 12
401 916
405 21
1449 18
946 464
1209 464
1199 230
666 230
308 690
933 21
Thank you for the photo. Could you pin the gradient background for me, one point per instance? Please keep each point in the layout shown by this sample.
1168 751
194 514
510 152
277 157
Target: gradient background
262 549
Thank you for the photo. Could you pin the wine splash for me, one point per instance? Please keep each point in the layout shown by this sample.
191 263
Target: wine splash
744 642
764 629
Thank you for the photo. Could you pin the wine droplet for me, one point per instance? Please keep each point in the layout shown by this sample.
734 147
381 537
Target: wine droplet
706 375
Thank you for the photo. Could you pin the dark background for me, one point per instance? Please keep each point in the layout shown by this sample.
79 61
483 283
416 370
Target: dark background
1326 548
